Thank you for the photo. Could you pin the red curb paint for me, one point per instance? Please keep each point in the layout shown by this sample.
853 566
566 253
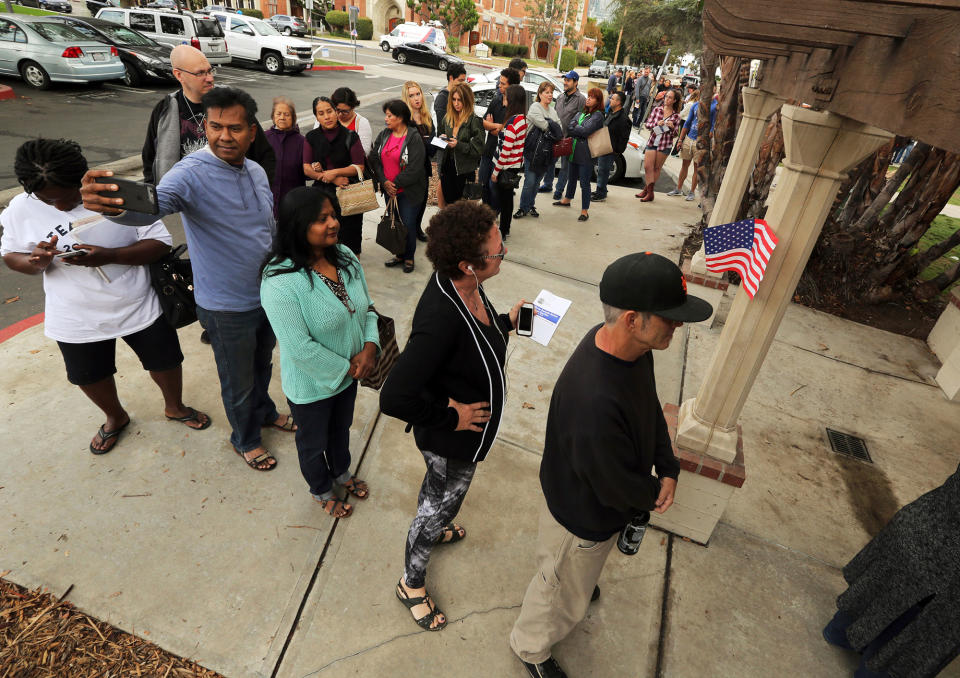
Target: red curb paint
18 327
335 68
6 93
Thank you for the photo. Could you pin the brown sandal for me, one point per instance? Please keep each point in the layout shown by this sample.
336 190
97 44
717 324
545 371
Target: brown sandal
260 459
334 507
357 488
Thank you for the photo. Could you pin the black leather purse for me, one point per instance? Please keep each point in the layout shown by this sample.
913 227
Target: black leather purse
172 279
509 178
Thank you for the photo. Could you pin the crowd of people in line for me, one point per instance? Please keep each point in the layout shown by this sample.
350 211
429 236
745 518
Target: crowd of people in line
275 264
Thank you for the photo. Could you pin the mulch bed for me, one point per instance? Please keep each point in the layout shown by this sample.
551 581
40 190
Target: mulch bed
41 636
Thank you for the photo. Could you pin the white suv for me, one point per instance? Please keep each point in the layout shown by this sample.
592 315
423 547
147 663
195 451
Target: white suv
252 41
172 28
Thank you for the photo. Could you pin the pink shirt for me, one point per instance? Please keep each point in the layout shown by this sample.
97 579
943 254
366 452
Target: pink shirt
390 156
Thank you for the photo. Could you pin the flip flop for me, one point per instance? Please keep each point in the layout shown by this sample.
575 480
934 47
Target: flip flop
288 426
107 435
193 416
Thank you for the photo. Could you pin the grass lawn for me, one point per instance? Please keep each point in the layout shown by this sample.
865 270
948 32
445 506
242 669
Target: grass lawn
955 198
328 62
17 9
941 229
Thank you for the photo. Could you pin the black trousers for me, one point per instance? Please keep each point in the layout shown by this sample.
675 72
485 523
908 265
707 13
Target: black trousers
505 198
323 439
452 185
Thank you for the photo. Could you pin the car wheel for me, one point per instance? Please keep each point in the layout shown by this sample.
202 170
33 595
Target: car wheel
618 170
385 46
401 58
287 31
273 63
34 75
131 77
443 64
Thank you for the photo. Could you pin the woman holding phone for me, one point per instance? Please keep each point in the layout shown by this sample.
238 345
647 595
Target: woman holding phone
664 125
463 131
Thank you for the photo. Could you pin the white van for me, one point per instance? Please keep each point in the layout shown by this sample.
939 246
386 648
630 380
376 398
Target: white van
253 41
168 27
411 32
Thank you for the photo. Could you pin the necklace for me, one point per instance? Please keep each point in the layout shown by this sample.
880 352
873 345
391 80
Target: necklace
196 119
475 303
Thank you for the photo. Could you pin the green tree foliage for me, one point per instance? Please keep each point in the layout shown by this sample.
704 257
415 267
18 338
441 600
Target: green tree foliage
544 18
676 24
337 20
568 60
364 28
459 16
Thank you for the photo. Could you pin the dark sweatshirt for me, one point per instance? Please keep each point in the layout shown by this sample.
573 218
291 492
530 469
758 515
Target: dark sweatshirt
605 433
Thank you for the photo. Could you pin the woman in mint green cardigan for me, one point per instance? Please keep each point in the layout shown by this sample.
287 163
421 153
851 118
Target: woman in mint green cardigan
315 295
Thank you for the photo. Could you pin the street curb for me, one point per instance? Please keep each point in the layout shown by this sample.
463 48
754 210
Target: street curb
333 41
19 326
121 166
335 68
6 93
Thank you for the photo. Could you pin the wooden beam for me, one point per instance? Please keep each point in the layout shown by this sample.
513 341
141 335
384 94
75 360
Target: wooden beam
891 21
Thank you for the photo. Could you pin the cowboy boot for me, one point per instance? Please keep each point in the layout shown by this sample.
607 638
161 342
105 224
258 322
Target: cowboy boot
649 196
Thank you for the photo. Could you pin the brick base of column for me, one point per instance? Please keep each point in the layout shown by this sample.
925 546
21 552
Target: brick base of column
716 282
704 488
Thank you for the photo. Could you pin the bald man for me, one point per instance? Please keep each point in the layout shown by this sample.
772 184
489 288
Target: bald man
176 125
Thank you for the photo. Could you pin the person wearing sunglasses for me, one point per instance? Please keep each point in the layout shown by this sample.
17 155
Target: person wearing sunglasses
449 385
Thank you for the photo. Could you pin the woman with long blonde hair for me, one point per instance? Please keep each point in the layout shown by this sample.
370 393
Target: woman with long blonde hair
412 95
463 132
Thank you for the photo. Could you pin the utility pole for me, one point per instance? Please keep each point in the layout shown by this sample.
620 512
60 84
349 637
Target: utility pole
9 7
563 32
623 21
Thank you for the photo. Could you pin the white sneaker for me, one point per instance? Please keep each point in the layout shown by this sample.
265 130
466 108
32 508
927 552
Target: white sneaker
675 192
690 197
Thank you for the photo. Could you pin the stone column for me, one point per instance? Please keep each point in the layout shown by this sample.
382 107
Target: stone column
820 146
758 106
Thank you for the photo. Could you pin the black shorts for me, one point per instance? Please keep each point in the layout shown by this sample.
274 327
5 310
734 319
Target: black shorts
157 347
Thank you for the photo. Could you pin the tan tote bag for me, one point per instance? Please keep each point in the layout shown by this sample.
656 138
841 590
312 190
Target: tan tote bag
599 143
357 198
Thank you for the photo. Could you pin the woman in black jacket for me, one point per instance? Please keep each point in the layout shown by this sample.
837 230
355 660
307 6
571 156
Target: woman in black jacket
449 384
397 162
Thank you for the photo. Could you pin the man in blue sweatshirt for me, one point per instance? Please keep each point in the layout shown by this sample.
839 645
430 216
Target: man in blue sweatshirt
226 205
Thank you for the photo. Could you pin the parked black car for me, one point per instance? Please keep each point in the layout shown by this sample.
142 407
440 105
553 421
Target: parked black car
424 54
94 6
51 5
142 57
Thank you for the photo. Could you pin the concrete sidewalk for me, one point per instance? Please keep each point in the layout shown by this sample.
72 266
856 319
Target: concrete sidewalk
171 537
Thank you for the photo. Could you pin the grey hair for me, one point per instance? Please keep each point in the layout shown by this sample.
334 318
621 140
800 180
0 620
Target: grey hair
286 101
611 314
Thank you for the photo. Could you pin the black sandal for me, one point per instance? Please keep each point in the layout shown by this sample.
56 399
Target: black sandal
453 529
193 416
426 621
108 435
256 461
334 507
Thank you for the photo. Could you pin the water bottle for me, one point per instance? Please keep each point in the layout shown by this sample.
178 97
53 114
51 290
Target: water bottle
632 534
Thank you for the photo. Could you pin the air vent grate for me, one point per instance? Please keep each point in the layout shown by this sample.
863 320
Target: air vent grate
849 445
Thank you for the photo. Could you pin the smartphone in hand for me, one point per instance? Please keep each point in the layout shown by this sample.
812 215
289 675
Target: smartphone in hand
525 321
137 195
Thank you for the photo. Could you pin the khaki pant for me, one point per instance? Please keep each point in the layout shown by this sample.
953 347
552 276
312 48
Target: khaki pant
559 593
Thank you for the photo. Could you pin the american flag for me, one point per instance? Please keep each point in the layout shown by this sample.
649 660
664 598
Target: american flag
743 246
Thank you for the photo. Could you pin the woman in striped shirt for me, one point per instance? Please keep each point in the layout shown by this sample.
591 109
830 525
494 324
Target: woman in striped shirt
509 156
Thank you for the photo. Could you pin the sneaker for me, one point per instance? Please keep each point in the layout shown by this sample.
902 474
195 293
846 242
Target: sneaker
533 212
594 197
519 214
690 197
675 192
544 189
546 669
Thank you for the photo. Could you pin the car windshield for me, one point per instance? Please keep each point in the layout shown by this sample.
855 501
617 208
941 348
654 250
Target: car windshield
208 28
125 36
57 32
263 28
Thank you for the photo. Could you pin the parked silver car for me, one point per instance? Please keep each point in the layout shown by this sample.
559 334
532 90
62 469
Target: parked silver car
288 25
42 51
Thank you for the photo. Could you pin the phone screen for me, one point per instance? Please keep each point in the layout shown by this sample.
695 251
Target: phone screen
525 320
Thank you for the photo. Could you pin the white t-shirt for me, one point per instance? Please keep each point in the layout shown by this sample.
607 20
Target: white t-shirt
81 307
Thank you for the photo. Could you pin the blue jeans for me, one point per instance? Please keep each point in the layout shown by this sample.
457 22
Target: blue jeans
489 190
604 165
583 174
410 214
561 177
242 343
531 182
323 440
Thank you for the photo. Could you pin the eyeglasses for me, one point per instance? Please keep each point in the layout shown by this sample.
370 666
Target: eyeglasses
201 74
344 111
500 255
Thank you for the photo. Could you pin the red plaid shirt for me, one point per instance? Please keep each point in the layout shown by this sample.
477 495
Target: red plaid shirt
668 137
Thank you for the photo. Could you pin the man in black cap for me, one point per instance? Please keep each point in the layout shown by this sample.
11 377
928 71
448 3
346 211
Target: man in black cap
605 435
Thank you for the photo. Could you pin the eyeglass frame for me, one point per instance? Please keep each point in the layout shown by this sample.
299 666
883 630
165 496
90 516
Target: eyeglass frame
200 74
500 255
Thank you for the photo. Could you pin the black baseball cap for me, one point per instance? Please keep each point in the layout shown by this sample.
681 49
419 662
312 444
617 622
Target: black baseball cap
651 283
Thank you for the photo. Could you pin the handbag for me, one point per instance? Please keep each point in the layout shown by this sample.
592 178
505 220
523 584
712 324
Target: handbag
472 190
389 352
563 148
599 143
172 278
357 198
509 178
391 231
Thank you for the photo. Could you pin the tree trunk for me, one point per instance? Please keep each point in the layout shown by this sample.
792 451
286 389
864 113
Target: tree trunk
708 81
768 158
734 74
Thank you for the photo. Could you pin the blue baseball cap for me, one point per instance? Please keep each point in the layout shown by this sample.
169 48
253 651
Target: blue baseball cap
572 75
